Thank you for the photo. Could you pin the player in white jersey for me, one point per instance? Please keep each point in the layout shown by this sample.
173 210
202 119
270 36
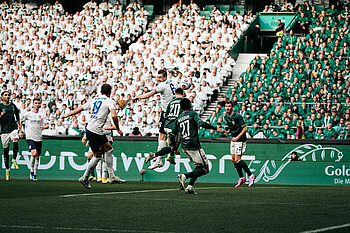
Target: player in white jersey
108 127
167 90
100 108
34 125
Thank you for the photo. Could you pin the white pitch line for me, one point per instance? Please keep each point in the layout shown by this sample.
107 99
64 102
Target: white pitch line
77 229
154 190
328 228
130 192
112 193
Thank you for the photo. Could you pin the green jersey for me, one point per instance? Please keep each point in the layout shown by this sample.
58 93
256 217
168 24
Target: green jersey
329 134
187 125
235 124
9 120
173 110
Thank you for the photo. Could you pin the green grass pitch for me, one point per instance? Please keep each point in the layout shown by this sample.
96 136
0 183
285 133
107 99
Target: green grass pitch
65 206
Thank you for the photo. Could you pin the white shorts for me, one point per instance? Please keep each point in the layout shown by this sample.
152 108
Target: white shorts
7 137
177 137
198 157
238 148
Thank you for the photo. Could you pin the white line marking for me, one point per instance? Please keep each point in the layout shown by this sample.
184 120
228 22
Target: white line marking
77 229
157 190
161 190
137 191
328 228
111 193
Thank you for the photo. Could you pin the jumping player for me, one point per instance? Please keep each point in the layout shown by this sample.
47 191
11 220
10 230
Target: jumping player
173 110
167 90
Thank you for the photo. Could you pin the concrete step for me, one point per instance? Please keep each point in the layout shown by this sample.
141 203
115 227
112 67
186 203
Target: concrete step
242 63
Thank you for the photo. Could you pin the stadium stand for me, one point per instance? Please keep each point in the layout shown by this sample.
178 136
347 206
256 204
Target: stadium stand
301 89
64 59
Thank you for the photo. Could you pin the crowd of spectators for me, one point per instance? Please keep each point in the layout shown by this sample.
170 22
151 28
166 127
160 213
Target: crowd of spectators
64 58
301 88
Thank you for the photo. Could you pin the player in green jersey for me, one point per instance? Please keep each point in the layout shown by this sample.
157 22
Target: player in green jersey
173 110
237 130
187 125
9 121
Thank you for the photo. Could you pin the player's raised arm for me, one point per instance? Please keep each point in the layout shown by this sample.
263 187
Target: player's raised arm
208 126
146 95
74 112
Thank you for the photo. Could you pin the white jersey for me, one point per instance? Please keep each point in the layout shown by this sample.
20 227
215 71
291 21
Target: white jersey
34 121
100 108
167 91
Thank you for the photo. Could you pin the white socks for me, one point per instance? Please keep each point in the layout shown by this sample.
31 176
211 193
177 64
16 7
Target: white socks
109 162
91 166
161 145
104 169
32 161
36 165
98 169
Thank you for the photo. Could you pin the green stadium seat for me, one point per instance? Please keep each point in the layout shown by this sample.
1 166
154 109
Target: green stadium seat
149 8
224 8
232 12
239 8
209 7
150 17
113 2
319 7
206 14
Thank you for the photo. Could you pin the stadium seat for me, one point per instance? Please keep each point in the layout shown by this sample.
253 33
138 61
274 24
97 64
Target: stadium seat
206 14
319 8
232 12
209 7
149 8
239 8
224 8
151 15
112 2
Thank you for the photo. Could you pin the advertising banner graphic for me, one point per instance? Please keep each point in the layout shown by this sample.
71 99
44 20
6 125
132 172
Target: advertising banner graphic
320 164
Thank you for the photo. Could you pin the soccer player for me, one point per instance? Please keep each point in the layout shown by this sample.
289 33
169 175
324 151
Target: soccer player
167 90
173 110
33 127
9 122
108 127
187 125
237 129
100 108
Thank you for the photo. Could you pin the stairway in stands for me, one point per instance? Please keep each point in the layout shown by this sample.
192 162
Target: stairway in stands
241 65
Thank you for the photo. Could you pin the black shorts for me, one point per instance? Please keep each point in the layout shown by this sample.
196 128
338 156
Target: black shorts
162 123
96 141
33 145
